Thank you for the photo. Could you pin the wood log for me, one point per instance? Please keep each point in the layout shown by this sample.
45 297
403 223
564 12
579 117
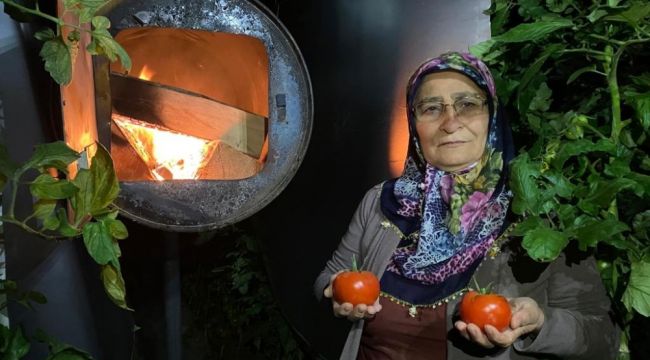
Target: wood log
188 113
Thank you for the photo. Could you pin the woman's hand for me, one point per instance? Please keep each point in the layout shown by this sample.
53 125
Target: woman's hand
527 318
353 313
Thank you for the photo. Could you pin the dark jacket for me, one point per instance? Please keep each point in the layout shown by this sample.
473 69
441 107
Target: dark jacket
569 291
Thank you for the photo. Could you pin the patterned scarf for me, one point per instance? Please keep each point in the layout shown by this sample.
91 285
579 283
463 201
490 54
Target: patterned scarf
449 220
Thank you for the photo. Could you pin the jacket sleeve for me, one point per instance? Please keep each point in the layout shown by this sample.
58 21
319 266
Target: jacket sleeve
349 246
578 323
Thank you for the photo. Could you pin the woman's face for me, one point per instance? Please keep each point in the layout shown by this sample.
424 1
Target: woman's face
451 142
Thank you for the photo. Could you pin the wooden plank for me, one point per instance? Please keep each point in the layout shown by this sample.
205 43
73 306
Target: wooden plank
78 97
188 113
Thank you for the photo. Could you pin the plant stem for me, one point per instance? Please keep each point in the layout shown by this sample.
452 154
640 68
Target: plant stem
34 12
27 228
586 51
612 82
14 193
478 288
606 39
588 126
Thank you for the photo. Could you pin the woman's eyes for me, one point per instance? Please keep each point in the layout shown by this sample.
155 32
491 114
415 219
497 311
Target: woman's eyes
465 104
431 109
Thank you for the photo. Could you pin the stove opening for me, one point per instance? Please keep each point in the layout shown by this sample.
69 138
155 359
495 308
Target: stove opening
193 106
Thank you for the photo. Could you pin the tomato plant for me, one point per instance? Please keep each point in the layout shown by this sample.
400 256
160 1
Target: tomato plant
483 309
355 286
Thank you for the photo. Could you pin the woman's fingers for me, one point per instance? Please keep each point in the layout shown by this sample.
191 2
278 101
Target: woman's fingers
526 314
358 312
502 339
342 310
328 293
354 313
477 336
462 329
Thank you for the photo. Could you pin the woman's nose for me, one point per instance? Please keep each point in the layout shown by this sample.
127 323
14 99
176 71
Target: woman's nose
450 121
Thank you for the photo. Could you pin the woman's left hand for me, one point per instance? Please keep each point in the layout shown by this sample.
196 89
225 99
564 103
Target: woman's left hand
527 317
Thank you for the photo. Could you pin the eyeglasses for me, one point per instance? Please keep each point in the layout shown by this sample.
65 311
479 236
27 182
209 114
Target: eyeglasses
465 107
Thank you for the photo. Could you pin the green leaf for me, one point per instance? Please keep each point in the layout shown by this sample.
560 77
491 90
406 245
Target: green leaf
544 244
602 192
523 176
65 228
86 9
14 344
82 201
642 80
58 61
528 224
637 294
537 65
561 186
56 154
618 167
116 228
481 49
44 208
542 100
99 243
640 102
98 186
51 222
566 213
642 183
634 15
102 43
569 149
105 183
114 286
579 72
645 163
591 231
641 225
45 34
36 297
596 15
558 6
532 31
59 350
531 9
499 12
48 188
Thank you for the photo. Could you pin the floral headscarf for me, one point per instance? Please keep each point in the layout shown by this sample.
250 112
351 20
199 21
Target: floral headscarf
449 220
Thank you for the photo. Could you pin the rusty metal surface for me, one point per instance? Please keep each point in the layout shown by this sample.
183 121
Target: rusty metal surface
191 205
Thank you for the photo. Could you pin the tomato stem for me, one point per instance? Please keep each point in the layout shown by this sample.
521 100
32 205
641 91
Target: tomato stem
354 263
478 288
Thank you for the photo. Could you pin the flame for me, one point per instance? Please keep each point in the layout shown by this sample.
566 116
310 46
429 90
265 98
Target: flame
167 153
146 73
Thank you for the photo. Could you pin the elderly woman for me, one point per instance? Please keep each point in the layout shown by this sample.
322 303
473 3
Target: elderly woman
441 223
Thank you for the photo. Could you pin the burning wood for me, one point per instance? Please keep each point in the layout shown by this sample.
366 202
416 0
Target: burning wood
168 154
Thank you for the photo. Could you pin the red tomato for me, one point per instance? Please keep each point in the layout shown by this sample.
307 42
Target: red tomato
356 287
483 309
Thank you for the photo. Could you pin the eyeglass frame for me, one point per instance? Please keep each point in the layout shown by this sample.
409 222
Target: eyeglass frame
453 105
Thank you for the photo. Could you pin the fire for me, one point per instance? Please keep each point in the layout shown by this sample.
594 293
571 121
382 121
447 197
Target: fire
146 73
167 153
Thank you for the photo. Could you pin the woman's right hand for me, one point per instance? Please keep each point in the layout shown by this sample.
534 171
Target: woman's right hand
353 313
